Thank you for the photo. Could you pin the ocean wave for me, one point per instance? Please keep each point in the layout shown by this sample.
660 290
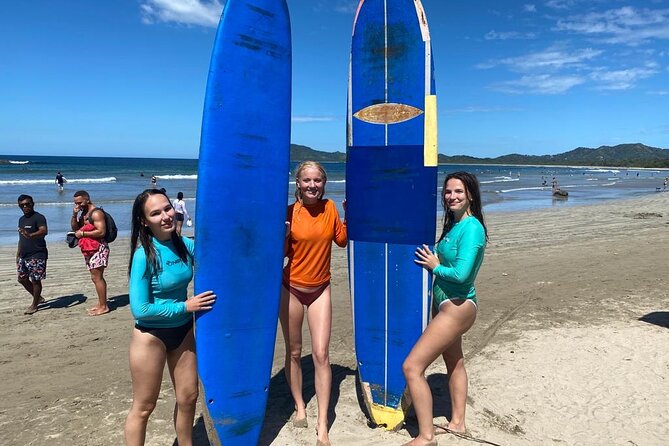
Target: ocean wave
602 170
69 180
176 177
500 180
18 162
504 191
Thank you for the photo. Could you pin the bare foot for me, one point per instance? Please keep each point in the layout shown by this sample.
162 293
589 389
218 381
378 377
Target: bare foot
97 311
322 438
30 310
457 428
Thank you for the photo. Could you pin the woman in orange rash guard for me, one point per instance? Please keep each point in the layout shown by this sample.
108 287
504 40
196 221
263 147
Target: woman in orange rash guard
313 223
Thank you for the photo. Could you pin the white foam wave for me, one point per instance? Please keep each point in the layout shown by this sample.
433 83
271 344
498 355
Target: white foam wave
500 180
176 177
69 180
504 191
602 170
18 162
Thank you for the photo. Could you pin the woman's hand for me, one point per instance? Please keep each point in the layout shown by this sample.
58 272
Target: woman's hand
426 258
200 302
287 229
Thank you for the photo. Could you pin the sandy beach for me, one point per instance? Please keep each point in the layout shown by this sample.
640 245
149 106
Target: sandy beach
570 345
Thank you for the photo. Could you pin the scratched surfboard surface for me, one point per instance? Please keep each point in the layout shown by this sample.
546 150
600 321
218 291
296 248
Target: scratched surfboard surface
241 208
391 183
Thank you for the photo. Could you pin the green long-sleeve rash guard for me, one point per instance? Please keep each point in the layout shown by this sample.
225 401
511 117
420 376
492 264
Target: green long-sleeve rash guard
460 255
159 300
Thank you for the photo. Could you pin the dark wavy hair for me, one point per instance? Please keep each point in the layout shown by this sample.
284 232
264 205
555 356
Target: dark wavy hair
473 192
142 234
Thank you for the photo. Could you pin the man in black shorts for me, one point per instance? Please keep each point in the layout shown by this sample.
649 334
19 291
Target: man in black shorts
31 253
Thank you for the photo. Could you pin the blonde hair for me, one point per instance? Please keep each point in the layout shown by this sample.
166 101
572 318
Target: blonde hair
306 165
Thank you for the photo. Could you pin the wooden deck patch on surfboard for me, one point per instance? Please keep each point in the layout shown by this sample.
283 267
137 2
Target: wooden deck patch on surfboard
241 209
391 183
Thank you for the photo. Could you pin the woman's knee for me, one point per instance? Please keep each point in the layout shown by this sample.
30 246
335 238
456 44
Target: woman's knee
295 351
411 369
143 409
187 398
321 357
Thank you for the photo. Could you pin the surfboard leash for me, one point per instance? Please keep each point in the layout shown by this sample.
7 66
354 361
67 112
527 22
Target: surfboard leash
464 436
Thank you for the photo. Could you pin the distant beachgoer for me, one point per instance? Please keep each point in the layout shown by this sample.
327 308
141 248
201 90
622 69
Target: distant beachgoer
313 224
160 269
60 181
154 181
455 263
181 212
141 174
554 184
664 185
90 228
31 253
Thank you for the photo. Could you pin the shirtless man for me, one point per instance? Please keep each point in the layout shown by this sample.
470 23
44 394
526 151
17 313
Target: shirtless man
89 227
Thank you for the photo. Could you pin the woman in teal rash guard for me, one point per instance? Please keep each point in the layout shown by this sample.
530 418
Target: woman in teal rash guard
160 271
454 265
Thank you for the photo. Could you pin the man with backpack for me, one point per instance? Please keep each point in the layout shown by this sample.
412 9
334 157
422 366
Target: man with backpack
89 224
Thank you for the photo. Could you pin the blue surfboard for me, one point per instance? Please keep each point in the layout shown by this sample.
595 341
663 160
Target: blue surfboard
391 183
241 209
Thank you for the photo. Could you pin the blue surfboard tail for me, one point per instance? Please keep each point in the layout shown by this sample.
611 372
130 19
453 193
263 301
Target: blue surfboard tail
241 209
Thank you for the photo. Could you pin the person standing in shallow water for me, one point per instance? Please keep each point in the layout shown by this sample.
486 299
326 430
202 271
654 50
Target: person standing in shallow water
454 264
312 225
160 269
31 253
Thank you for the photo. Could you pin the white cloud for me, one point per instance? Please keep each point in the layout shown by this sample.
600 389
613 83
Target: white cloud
185 12
626 25
539 84
659 92
303 119
509 35
620 79
552 59
339 6
530 8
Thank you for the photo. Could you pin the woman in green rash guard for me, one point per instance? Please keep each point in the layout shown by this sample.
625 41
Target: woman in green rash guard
160 269
455 263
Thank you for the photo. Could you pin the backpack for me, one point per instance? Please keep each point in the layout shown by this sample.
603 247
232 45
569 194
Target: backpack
111 230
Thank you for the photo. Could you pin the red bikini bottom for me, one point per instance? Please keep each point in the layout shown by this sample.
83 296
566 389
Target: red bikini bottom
306 297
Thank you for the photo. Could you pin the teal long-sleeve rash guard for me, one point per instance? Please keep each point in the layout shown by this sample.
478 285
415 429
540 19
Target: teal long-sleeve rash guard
460 255
159 300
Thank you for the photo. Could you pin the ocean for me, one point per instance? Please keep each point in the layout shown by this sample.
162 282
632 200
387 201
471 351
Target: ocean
113 183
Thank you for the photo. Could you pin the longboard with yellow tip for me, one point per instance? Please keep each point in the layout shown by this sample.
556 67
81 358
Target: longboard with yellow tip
391 183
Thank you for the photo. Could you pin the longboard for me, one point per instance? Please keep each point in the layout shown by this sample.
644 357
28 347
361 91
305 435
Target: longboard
391 182
240 214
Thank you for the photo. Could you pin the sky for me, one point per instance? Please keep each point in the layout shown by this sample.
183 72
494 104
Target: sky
127 77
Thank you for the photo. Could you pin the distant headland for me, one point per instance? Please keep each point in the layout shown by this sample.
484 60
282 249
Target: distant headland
621 155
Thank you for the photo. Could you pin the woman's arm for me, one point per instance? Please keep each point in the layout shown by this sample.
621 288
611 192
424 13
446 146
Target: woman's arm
470 245
141 306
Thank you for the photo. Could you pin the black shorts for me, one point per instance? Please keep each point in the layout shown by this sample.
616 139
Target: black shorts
171 337
179 216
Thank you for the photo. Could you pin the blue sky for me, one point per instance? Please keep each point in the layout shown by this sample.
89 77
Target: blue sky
127 77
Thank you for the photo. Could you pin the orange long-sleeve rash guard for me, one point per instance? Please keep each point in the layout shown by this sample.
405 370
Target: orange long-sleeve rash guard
313 228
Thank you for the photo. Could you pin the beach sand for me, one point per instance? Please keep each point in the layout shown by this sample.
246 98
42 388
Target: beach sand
570 345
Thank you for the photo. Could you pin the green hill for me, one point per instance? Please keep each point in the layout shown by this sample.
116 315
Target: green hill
622 155
302 153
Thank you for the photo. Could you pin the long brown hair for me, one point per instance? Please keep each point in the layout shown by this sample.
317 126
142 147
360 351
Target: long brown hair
473 192
140 232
